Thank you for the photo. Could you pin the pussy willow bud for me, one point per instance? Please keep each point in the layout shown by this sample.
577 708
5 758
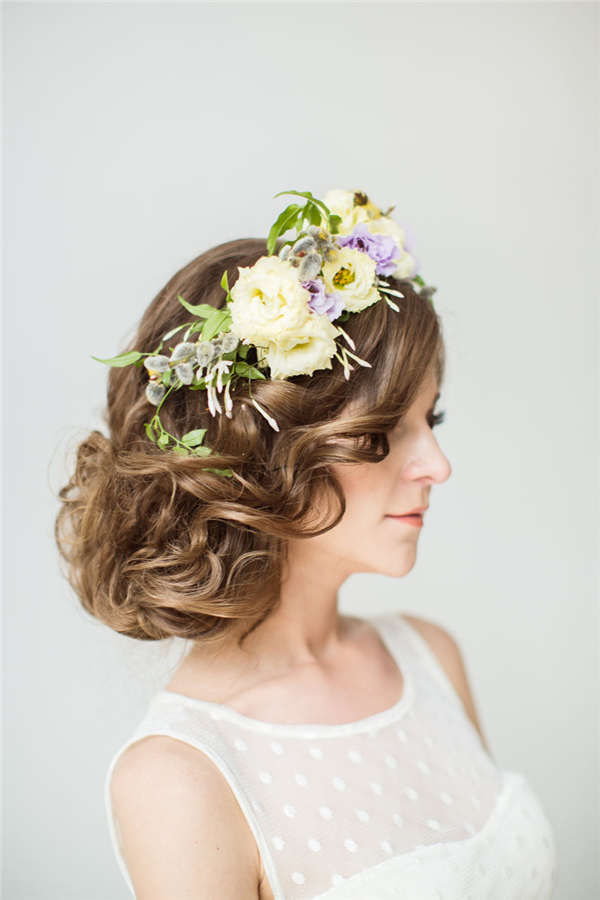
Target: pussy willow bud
304 244
230 342
205 353
310 267
319 234
182 350
155 391
157 364
185 372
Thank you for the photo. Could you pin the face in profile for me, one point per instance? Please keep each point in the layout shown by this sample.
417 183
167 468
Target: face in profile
371 536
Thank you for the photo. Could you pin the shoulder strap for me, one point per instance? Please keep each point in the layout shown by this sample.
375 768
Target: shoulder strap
421 654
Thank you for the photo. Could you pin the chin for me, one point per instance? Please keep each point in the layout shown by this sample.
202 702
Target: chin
401 564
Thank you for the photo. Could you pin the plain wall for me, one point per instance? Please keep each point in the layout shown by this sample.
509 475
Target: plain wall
139 135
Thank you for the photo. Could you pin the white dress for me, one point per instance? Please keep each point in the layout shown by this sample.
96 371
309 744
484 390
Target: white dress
403 804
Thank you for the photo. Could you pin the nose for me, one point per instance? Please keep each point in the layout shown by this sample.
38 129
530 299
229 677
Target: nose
428 462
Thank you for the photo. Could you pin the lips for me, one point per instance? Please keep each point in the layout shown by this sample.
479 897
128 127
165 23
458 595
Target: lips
414 512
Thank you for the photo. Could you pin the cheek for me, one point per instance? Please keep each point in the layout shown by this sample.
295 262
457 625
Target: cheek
366 493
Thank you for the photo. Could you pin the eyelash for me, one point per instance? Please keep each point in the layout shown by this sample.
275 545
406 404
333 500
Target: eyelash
437 419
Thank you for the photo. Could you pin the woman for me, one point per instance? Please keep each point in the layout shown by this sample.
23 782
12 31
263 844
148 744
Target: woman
296 753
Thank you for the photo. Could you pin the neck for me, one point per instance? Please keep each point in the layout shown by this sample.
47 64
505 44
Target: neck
306 626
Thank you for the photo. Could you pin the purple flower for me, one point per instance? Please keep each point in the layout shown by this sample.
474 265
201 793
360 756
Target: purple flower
380 247
330 305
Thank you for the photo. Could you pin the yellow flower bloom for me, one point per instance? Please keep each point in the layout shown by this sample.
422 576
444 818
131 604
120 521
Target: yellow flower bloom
353 275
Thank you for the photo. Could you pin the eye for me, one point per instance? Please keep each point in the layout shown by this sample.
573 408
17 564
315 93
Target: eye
436 419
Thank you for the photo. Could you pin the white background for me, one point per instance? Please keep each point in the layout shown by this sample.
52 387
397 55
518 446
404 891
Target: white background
139 135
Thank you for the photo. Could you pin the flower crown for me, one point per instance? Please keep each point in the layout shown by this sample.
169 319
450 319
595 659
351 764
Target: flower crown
289 306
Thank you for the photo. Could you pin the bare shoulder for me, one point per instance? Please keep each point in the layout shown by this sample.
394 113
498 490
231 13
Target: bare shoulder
182 830
447 650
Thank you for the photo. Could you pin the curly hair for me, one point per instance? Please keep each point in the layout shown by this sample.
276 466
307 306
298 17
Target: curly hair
156 546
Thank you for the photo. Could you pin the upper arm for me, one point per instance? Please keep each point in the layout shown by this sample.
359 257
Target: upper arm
184 835
448 653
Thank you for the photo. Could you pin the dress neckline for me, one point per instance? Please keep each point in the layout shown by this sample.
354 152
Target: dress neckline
388 628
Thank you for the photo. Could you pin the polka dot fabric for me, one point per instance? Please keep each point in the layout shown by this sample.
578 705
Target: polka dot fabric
403 804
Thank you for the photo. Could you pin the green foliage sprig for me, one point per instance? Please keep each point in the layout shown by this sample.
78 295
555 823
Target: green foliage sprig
313 212
212 325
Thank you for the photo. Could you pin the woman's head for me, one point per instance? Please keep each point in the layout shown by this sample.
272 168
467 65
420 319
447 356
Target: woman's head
374 534
156 545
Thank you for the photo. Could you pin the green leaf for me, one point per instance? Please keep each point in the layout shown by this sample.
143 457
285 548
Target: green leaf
334 223
181 451
242 350
202 451
194 327
284 222
149 431
309 197
246 370
343 317
227 472
163 440
166 378
173 331
313 215
193 438
216 323
419 280
203 309
225 286
124 359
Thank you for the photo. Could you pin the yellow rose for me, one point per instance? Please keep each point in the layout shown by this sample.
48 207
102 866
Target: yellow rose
353 275
341 203
269 303
313 351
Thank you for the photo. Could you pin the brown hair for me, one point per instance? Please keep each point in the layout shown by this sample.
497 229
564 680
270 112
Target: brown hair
158 547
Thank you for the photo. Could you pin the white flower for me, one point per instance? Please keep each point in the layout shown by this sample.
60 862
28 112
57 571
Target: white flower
385 225
313 351
353 275
341 203
269 303
406 266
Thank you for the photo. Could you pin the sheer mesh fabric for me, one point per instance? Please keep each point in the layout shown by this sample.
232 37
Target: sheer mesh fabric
403 804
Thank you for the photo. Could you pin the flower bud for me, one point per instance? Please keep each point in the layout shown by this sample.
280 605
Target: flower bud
304 244
155 391
204 353
182 350
185 372
330 252
157 364
230 342
310 266
319 234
